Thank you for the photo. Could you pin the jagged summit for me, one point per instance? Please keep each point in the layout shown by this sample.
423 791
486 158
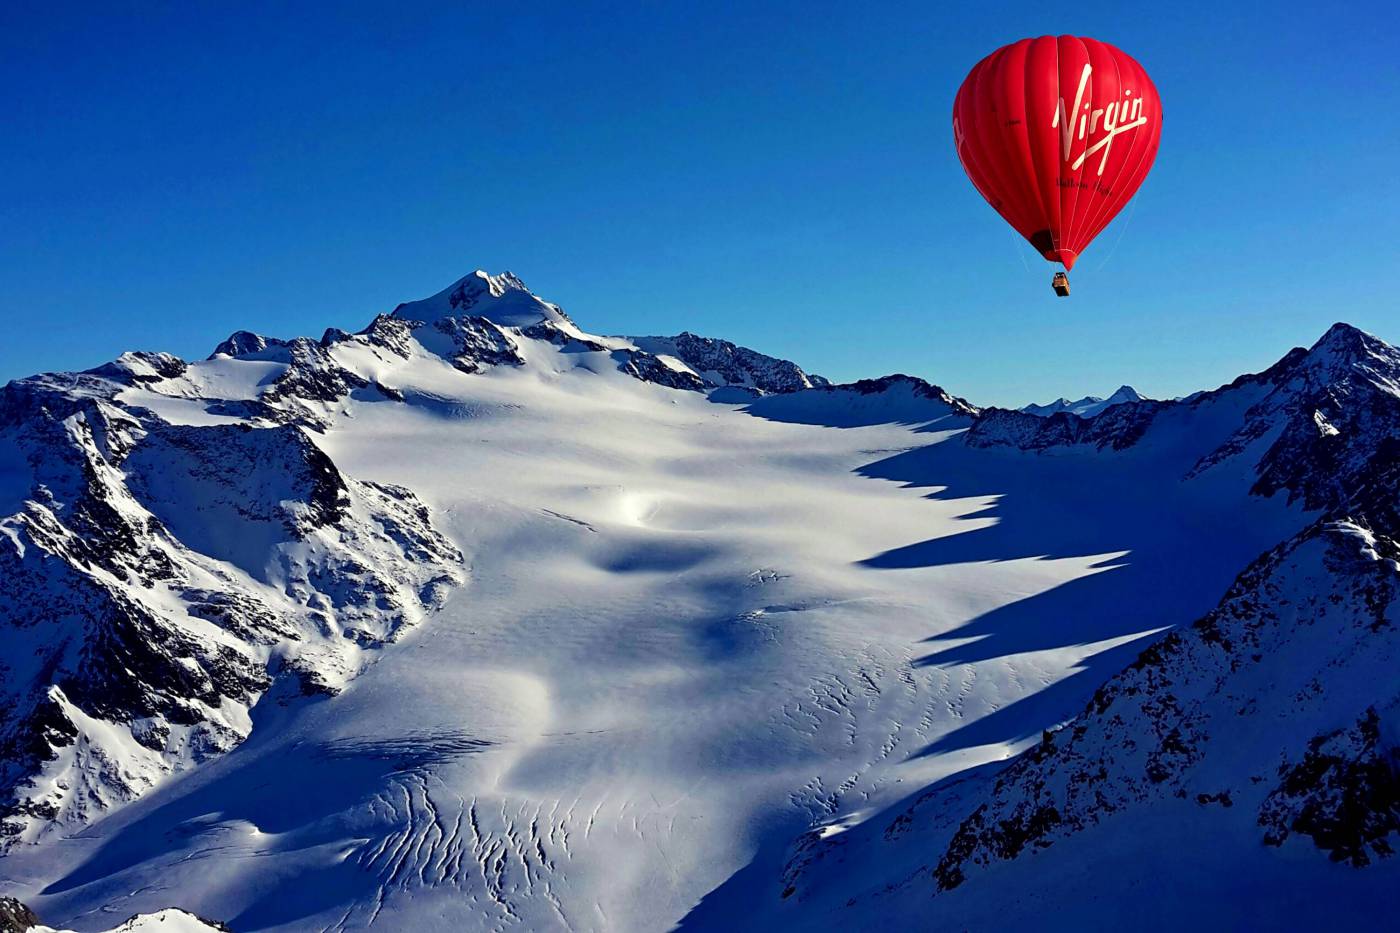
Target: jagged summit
1342 335
479 324
501 299
245 343
1308 395
1347 352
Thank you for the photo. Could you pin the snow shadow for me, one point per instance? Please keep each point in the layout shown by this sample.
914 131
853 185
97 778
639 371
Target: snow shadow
1166 549
753 898
1163 551
269 799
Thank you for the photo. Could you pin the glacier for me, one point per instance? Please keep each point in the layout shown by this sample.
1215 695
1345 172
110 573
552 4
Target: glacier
474 620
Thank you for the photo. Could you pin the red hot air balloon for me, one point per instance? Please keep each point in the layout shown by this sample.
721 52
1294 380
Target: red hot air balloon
1057 133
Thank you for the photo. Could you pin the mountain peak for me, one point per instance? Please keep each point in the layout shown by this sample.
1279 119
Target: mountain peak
495 285
1346 352
1341 332
1344 340
502 299
245 343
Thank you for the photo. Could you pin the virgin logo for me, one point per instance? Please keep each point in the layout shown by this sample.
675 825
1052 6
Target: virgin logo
1118 118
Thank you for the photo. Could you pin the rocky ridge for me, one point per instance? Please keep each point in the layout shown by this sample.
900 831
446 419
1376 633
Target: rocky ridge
160 578
1277 711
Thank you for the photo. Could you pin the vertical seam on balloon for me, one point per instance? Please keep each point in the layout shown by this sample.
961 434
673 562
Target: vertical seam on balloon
1011 189
1003 175
972 162
1054 234
1030 146
1140 75
1122 166
991 166
1074 118
1079 225
1118 176
981 159
1088 140
1016 143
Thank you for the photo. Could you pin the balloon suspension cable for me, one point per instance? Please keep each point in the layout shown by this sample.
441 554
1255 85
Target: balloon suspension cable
1127 222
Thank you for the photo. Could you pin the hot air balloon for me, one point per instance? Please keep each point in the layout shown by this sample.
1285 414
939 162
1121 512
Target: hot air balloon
1057 133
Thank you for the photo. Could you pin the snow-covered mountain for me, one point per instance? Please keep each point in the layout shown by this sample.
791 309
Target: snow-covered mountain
1086 407
1257 744
472 619
15 917
160 575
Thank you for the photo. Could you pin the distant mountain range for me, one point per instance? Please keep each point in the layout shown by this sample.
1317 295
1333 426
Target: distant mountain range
472 619
1086 407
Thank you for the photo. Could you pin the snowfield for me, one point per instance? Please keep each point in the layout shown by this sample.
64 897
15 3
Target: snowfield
699 634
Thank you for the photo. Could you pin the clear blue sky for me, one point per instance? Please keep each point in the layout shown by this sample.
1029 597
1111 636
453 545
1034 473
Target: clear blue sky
780 174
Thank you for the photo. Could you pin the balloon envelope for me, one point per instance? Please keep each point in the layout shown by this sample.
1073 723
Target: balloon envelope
1057 133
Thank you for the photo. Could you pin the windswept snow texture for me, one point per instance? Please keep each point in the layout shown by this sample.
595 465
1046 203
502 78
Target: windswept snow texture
641 640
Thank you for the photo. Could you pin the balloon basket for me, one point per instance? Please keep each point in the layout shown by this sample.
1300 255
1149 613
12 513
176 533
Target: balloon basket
1060 283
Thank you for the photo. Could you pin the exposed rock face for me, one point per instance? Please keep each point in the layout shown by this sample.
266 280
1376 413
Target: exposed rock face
913 385
477 324
1116 428
141 368
246 343
502 299
891 399
1344 793
721 363
1327 414
1225 713
1276 711
1278 701
478 343
15 917
159 577
649 368
162 921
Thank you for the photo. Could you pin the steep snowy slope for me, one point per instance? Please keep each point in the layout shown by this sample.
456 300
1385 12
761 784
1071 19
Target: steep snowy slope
474 620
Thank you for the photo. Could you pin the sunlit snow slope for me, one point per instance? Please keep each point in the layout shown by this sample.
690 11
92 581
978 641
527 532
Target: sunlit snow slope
695 621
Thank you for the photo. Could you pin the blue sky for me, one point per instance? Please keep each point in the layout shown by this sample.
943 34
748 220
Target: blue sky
779 174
